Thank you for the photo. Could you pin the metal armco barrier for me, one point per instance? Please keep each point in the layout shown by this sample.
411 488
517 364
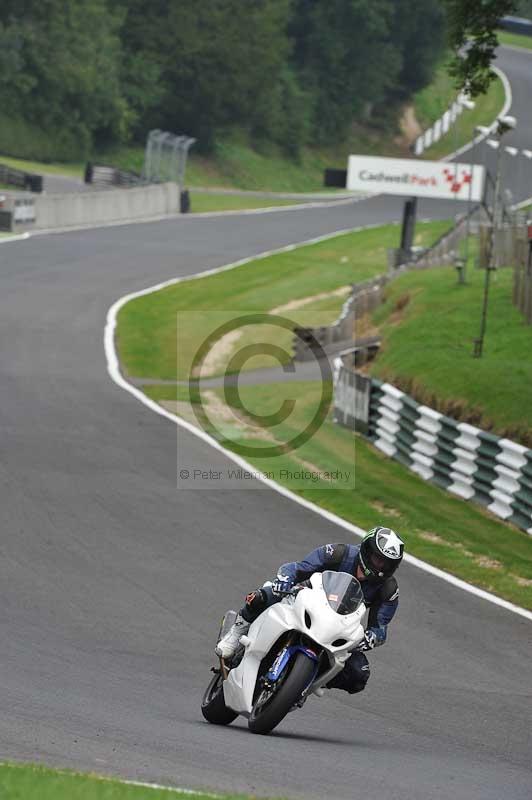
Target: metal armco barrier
20 179
460 458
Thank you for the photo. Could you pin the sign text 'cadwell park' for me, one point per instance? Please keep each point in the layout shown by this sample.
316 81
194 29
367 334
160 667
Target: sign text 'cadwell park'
414 178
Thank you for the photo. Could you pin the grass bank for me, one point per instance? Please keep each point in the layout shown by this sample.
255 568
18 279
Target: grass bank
515 39
446 531
487 108
148 326
428 325
236 163
68 170
201 202
433 101
30 782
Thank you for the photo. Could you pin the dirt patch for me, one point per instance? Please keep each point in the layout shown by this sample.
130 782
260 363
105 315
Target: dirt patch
402 301
524 582
488 563
409 126
218 355
293 305
180 409
221 412
364 327
385 510
223 349
428 536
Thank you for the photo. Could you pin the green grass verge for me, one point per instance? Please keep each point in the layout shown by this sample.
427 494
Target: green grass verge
433 101
429 322
446 531
207 201
148 326
31 782
456 536
487 108
38 167
515 39
236 164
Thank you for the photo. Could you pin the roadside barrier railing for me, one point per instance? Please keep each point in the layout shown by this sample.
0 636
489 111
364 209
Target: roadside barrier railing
464 460
28 181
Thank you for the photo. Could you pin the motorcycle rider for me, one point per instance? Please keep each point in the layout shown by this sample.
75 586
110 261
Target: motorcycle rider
372 563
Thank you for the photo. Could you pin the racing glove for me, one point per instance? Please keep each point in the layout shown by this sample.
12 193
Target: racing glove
282 584
368 642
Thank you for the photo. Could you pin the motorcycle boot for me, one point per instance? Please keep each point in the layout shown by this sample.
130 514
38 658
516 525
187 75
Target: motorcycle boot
228 644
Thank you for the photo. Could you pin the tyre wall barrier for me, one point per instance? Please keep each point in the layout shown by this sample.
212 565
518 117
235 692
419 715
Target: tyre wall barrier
103 175
458 457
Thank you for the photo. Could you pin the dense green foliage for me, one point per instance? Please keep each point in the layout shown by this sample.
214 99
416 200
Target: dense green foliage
472 30
60 81
523 8
96 73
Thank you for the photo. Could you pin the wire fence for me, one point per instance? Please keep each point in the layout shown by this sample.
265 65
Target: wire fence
165 158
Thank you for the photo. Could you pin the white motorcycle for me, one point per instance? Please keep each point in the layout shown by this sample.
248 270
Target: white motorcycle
293 649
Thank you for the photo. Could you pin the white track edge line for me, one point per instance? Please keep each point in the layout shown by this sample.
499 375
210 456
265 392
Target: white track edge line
172 789
124 781
18 237
113 369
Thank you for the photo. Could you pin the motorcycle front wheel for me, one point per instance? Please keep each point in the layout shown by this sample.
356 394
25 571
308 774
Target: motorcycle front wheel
213 705
269 709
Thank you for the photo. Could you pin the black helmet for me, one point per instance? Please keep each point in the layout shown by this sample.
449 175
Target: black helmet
381 552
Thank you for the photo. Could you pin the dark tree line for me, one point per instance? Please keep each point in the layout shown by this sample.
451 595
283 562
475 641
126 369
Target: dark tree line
92 73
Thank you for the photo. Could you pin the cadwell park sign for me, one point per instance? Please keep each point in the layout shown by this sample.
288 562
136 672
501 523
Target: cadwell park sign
405 176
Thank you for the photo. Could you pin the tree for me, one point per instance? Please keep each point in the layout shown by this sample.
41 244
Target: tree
472 33
219 62
418 30
62 70
524 8
345 53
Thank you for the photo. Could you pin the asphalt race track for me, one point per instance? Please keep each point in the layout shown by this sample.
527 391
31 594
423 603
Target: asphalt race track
112 582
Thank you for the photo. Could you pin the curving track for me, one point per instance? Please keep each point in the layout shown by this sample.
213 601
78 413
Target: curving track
111 581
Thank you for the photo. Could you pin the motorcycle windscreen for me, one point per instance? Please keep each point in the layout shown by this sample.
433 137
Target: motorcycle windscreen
343 592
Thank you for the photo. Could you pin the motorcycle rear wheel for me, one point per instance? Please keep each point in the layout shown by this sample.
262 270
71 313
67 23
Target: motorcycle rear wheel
213 705
266 716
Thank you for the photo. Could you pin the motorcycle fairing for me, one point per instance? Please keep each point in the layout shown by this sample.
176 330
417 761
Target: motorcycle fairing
293 614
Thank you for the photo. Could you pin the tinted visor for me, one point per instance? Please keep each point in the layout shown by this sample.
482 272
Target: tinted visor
378 563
